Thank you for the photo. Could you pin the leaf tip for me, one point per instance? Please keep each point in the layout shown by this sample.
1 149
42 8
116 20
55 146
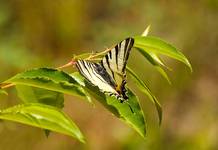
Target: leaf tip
145 33
79 136
3 92
168 81
82 139
190 66
47 133
160 119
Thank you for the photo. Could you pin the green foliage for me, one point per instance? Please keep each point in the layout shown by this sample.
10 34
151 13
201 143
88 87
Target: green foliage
130 112
50 79
41 90
144 88
30 94
153 45
42 116
156 62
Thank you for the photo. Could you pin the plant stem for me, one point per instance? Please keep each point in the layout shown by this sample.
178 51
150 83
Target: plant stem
98 54
4 86
71 63
91 57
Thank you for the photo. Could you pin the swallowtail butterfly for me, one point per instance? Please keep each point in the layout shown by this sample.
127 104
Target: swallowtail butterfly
109 75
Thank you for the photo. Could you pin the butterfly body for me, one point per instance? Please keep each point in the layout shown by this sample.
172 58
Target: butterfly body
109 75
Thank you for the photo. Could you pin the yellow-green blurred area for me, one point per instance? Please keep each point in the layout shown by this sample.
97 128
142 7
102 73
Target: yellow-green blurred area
47 33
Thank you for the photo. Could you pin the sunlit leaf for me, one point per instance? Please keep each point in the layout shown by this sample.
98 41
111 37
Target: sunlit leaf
156 62
145 33
30 94
130 112
50 79
158 46
153 56
42 116
144 88
3 92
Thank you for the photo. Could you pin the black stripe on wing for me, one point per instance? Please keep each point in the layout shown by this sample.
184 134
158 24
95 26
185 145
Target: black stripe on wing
103 73
116 59
128 46
116 54
90 70
83 69
108 65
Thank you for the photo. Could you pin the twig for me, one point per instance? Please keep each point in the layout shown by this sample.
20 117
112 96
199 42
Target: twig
91 57
71 63
7 85
98 54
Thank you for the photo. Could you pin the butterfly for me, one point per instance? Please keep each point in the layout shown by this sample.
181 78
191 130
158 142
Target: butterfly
109 75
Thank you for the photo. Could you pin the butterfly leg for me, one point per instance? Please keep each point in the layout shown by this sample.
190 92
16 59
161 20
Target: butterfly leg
122 100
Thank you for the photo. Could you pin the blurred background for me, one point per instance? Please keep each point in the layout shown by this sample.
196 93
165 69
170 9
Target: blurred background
46 33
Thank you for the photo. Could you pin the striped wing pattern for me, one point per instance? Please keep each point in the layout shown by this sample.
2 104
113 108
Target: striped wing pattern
115 62
97 75
116 59
109 75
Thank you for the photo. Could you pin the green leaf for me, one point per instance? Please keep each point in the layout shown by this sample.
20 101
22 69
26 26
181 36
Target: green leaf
50 79
3 92
42 116
154 57
145 33
122 110
144 88
156 62
30 94
158 46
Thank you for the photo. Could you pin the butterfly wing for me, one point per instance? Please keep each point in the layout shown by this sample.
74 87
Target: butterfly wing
110 74
115 62
97 75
